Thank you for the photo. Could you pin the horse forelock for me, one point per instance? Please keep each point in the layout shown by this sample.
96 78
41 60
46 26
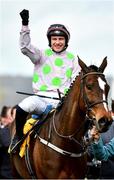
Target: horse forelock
94 68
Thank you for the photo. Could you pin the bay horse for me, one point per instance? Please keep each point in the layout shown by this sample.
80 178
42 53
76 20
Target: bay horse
58 151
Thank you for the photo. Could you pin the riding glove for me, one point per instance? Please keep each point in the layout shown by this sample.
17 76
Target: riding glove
25 17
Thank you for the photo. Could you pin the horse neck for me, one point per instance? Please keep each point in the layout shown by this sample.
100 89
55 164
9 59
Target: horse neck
70 114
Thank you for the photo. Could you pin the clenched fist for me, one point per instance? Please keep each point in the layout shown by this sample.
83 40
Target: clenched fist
25 17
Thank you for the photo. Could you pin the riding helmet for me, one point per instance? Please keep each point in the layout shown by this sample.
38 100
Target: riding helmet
58 30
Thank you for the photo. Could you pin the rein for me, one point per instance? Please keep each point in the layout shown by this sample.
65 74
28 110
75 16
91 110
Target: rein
71 136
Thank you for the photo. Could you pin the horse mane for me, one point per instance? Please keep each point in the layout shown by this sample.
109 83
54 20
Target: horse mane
70 87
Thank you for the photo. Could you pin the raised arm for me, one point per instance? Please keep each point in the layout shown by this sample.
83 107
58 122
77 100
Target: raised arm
25 41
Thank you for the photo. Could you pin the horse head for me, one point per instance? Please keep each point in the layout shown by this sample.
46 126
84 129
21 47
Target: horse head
94 94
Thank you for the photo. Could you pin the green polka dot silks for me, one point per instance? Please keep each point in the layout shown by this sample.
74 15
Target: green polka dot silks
43 88
56 81
58 62
69 73
35 77
53 71
46 69
70 56
48 52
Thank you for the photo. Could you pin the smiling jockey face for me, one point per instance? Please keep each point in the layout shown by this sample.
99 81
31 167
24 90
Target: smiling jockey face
62 39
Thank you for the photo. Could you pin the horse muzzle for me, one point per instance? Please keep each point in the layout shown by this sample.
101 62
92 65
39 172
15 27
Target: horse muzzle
103 124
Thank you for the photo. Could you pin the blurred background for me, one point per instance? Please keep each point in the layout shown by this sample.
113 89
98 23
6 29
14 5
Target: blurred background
91 25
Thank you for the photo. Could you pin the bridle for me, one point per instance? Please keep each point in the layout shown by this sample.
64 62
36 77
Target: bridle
87 104
72 136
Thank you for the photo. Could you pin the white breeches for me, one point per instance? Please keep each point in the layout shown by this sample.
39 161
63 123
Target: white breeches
35 104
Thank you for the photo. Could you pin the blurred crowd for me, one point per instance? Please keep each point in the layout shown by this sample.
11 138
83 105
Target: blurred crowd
6 118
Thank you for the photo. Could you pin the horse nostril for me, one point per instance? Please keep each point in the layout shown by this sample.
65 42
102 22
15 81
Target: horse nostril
104 124
102 121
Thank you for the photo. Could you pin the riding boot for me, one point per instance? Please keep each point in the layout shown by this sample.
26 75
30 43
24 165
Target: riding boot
20 120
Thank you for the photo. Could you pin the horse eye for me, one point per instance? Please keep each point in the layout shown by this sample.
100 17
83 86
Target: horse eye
89 86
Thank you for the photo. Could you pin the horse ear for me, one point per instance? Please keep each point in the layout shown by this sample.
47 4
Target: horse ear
103 65
82 65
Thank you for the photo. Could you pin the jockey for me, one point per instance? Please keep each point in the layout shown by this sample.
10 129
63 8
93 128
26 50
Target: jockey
54 68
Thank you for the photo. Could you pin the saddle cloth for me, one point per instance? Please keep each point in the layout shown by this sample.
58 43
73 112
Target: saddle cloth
28 125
